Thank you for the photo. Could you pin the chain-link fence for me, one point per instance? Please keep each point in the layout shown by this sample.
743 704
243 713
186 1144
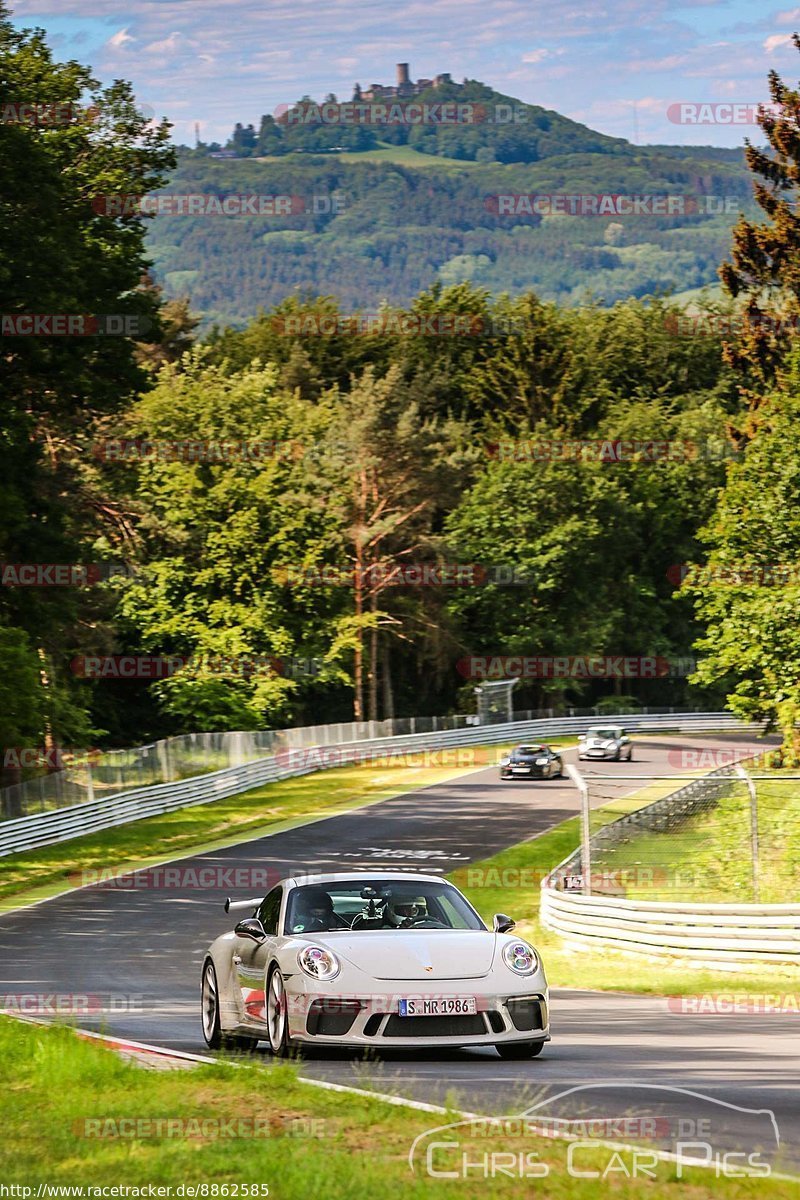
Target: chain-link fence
95 774
731 836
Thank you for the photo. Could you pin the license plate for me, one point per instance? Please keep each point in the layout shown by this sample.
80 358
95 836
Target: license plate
437 1006
521 770
597 753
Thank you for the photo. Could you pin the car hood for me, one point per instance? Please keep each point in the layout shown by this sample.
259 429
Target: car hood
426 954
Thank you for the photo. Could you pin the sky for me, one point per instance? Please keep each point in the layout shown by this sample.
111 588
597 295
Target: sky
617 67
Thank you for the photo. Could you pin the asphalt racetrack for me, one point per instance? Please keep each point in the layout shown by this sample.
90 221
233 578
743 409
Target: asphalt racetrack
149 943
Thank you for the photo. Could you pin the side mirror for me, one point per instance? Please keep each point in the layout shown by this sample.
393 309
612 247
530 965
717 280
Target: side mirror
251 928
502 924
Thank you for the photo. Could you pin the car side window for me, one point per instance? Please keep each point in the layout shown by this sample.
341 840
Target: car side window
270 909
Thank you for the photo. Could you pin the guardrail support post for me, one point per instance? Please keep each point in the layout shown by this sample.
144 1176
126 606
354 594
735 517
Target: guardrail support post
586 833
751 787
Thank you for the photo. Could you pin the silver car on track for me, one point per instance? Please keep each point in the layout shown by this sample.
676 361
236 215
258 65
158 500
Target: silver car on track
604 742
379 959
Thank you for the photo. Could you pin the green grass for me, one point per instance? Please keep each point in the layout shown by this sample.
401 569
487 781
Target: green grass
406 156
169 1128
708 858
510 882
36 874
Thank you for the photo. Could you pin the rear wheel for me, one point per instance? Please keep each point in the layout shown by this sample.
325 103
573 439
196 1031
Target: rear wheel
214 1036
209 1007
518 1050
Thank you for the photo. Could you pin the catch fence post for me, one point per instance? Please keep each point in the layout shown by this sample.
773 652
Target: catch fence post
586 848
751 787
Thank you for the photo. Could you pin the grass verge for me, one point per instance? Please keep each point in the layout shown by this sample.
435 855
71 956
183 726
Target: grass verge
510 882
709 857
76 1115
38 874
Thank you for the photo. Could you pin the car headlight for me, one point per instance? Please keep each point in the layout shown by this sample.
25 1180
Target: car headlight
319 963
541 762
521 958
504 762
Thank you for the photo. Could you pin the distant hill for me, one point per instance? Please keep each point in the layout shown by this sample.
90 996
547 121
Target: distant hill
423 204
488 126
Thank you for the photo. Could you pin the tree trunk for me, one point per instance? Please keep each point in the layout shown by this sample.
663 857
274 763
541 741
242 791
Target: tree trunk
388 691
373 664
358 661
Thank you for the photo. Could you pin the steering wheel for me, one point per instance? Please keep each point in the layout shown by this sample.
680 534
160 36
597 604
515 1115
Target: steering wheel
428 923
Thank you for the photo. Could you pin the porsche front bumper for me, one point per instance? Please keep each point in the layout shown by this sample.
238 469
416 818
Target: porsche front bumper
374 1020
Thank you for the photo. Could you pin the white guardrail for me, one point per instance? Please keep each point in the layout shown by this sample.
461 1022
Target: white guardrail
711 934
59 825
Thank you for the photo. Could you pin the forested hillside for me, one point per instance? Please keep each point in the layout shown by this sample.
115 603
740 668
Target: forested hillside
387 231
310 518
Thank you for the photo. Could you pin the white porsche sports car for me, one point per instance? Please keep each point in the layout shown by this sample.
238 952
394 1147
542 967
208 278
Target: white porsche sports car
383 960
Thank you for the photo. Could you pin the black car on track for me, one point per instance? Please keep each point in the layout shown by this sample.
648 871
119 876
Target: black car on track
532 761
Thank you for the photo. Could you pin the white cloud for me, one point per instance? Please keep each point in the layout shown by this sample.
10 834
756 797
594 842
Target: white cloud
167 46
776 40
234 59
120 39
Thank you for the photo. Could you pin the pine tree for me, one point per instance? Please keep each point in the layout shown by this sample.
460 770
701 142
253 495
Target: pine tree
765 259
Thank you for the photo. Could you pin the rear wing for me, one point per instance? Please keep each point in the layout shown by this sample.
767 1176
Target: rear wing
233 905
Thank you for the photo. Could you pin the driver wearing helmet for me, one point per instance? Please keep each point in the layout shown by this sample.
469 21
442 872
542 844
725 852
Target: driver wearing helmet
314 912
404 911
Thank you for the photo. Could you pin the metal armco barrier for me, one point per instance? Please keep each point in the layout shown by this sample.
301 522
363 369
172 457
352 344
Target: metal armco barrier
47 828
708 934
705 933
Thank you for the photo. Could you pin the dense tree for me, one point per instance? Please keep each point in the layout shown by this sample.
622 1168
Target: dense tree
214 528
748 592
66 145
392 475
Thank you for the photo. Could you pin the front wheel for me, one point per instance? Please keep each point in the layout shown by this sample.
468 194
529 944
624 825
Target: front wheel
277 1016
630 756
518 1050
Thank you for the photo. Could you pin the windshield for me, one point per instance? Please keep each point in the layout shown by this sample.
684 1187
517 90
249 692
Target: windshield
608 735
370 904
528 751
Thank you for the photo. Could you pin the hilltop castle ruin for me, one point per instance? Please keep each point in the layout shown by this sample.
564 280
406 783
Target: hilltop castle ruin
404 88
